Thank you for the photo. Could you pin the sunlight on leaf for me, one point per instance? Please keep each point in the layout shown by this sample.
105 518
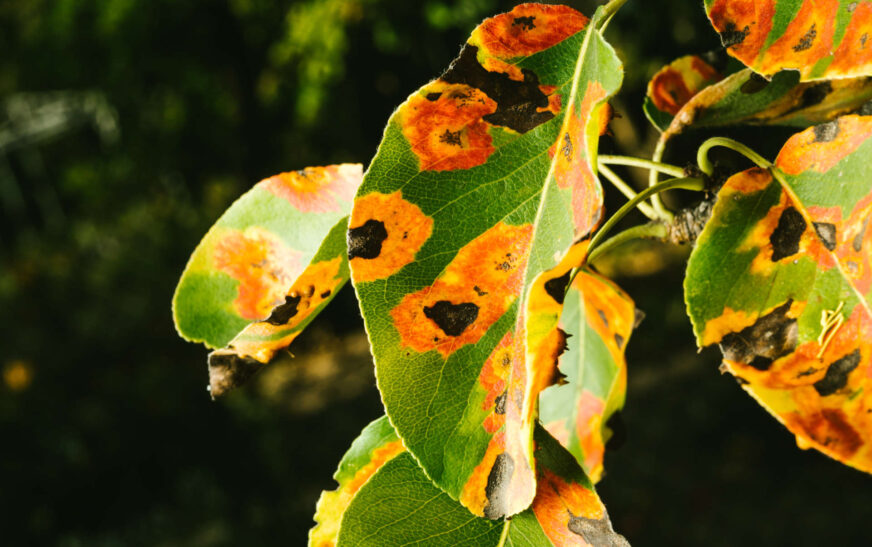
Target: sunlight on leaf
482 185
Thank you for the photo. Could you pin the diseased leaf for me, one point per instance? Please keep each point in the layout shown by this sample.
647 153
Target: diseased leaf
482 184
674 85
266 268
781 278
376 445
385 498
600 318
819 38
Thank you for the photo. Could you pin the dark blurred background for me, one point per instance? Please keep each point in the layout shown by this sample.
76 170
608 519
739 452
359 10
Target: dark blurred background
128 126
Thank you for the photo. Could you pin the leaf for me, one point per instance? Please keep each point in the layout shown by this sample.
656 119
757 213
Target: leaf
481 184
781 278
600 317
266 268
385 498
676 84
819 38
376 445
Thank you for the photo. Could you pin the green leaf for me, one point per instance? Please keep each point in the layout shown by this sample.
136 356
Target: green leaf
266 268
600 318
781 278
482 184
385 498
820 39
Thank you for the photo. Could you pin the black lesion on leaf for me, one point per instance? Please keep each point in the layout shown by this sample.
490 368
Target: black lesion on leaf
432 97
517 102
604 317
283 313
566 149
836 376
857 244
526 22
619 340
453 319
366 240
479 291
807 39
755 84
451 137
787 235
596 531
732 36
498 488
556 288
773 336
826 132
228 370
815 94
500 403
326 293
827 233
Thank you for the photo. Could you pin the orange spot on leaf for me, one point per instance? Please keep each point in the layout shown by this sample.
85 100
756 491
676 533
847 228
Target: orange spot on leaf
316 189
821 147
263 265
527 29
443 124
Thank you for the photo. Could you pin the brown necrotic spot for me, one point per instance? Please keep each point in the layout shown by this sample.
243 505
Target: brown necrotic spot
283 313
815 94
774 335
732 36
619 340
786 236
836 376
755 84
596 531
807 39
497 491
826 132
567 147
500 403
525 22
366 241
228 370
432 97
518 102
451 137
453 319
556 288
827 233
857 244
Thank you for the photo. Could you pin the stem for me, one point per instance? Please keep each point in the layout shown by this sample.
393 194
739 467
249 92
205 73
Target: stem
705 164
690 183
627 190
652 230
653 176
672 170
611 8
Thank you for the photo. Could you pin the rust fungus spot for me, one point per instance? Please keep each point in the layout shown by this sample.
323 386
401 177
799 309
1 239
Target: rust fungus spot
732 36
366 241
836 376
527 23
774 335
807 39
826 132
283 313
453 319
498 487
518 102
556 288
500 403
827 234
787 235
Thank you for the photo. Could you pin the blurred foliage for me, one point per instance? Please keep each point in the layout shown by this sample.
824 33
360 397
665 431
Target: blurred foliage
109 437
